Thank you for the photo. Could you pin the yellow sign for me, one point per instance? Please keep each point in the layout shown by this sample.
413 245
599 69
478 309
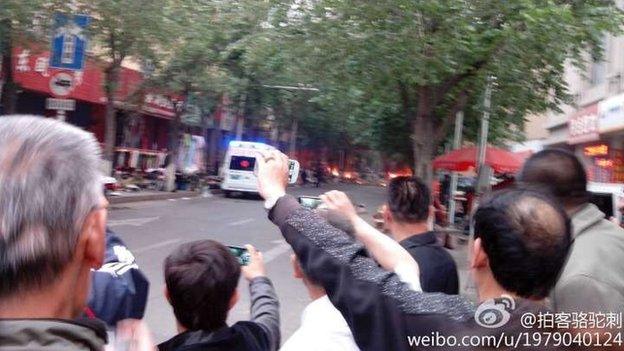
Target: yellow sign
596 150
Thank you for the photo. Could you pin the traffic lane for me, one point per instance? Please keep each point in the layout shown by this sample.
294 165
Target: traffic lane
153 229
229 221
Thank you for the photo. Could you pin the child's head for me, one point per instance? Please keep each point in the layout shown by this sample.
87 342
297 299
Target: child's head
201 278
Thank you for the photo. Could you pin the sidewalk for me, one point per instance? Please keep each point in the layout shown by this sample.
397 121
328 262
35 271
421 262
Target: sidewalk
147 195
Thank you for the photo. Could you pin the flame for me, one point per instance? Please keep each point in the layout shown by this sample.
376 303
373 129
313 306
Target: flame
334 172
405 172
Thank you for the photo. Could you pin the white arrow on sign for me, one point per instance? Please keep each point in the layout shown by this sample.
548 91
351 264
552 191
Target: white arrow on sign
137 222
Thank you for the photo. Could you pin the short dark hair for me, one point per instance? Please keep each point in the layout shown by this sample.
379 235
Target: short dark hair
409 199
526 235
201 277
558 171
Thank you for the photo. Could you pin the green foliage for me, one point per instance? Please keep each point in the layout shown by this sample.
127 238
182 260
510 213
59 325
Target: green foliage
128 28
24 20
378 62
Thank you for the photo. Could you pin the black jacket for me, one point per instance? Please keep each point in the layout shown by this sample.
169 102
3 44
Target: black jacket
438 272
262 333
382 312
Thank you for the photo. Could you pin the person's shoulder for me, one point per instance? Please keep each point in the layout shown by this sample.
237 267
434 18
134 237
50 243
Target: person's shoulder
599 245
251 332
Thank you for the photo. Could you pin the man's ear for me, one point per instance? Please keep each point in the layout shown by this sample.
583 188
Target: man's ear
166 293
94 238
478 257
234 299
387 215
297 271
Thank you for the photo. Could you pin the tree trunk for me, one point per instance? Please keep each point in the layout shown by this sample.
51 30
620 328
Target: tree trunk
293 139
212 150
240 122
424 145
8 94
110 86
174 141
424 139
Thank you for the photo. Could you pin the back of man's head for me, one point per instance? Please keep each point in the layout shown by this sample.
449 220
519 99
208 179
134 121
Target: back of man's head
201 278
409 199
558 171
49 183
526 236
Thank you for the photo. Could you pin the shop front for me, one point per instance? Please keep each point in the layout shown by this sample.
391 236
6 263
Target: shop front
38 83
596 134
143 134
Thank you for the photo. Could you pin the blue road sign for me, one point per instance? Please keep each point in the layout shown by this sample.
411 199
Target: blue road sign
69 41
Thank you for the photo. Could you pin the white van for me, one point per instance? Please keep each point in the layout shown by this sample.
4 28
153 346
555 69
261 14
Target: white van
237 171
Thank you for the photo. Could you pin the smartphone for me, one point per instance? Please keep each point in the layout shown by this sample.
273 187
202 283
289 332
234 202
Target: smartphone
293 171
241 253
311 202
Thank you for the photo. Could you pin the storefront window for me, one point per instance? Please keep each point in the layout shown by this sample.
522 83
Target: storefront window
607 164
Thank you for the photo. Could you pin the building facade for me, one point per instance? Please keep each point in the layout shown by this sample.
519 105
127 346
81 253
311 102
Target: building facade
593 126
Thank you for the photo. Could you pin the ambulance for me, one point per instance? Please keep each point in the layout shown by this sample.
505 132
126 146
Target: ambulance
238 168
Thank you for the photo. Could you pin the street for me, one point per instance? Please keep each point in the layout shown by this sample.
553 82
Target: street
153 229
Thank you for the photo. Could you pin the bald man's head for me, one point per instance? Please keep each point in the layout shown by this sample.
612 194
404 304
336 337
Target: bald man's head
526 236
559 172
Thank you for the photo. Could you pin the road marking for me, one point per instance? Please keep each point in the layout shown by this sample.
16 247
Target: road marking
241 222
172 200
156 246
185 198
137 222
275 252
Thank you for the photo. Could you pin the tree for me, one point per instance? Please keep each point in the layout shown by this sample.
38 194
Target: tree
21 22
204 61
126 30
430 59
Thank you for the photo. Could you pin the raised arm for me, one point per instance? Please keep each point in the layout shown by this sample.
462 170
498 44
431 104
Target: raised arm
388 253
380 310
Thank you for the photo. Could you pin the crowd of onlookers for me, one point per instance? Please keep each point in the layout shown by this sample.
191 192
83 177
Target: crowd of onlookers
69 283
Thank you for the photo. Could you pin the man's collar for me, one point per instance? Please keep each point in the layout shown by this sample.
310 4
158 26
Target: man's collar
424 239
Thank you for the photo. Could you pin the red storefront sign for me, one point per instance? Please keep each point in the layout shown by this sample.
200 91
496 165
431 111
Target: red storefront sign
583 125
31 72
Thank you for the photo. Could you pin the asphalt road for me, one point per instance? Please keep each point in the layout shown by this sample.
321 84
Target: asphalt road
153 229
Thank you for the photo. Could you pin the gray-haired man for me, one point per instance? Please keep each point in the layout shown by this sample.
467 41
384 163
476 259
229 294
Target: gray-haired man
52 225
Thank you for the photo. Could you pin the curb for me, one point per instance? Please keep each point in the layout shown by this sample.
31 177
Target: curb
114 200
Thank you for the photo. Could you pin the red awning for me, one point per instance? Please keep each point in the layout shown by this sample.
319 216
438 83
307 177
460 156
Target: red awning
461 160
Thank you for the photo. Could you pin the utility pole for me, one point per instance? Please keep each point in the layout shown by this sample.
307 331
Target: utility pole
459 124
483 175
484 172
485 124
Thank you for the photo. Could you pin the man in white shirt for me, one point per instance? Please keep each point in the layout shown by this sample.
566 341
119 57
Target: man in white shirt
322 325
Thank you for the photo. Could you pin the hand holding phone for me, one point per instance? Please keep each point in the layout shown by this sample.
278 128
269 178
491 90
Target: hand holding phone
255 268
293 171
241 254
311 202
